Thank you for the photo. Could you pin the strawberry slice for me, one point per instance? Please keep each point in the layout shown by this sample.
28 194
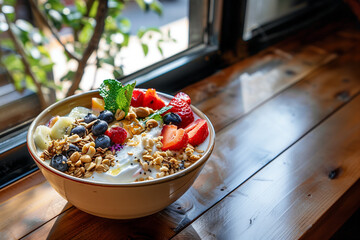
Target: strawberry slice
173 138
197 132
152 100
137 98
181 108
184 97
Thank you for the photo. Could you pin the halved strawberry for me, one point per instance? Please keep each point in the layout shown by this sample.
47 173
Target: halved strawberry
184 97
152 100
181 108
197 132
173 138
137 98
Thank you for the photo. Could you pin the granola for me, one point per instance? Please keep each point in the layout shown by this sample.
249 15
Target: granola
138 144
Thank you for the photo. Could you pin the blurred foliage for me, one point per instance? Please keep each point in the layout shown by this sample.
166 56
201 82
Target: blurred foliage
79 19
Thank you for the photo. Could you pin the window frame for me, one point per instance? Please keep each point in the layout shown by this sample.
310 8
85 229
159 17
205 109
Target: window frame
201 59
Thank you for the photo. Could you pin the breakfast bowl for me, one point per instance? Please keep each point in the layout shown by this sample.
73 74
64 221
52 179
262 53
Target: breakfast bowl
109 199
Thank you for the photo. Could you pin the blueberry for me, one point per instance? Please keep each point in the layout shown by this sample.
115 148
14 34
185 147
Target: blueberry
99 127
79 130
89 118
172 118
107 116
71 150
102 141
59 162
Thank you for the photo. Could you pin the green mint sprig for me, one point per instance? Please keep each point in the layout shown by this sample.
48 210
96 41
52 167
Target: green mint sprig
116 96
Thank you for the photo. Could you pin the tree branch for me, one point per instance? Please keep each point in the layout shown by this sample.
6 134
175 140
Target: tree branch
19 48
44 20
92 46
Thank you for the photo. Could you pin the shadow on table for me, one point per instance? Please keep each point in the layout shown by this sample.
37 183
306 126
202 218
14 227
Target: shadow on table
76 224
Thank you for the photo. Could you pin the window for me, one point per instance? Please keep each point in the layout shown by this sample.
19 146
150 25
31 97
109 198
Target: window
214 33
195 28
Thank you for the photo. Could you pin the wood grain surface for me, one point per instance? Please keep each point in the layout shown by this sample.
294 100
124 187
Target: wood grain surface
286 196
283 123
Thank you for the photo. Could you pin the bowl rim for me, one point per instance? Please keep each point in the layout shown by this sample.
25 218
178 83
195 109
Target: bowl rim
33 151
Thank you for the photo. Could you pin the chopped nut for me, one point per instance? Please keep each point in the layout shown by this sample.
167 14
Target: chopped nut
194 157
106 162
143 111
131 114
151 123
89 166
189 151
86 147
159 145
145 166
159 175
164 169
85 158
158 160
148 157
91 151
78 163
74 138
74 157
119 115
98 160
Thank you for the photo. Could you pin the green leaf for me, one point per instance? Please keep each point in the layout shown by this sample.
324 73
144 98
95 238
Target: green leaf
156 6
93 9
9 11
160 50
109 60
80 6
123 24
123 98
56 5
141 4
145 48
86 33
118 73
13 62
30 84
108 90
18 77
141 32
68 76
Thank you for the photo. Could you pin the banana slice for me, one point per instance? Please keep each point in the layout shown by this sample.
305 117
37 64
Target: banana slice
42 137
79 112
62 127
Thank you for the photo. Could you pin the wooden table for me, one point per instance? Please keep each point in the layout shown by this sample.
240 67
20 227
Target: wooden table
286 163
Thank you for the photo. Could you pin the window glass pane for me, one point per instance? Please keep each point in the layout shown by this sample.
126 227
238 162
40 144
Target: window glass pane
54 38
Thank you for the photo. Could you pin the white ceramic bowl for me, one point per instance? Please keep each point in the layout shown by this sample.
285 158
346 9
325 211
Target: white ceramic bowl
115 200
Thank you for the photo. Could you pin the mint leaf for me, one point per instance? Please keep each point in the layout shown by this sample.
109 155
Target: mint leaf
116 96
123 98
109 91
